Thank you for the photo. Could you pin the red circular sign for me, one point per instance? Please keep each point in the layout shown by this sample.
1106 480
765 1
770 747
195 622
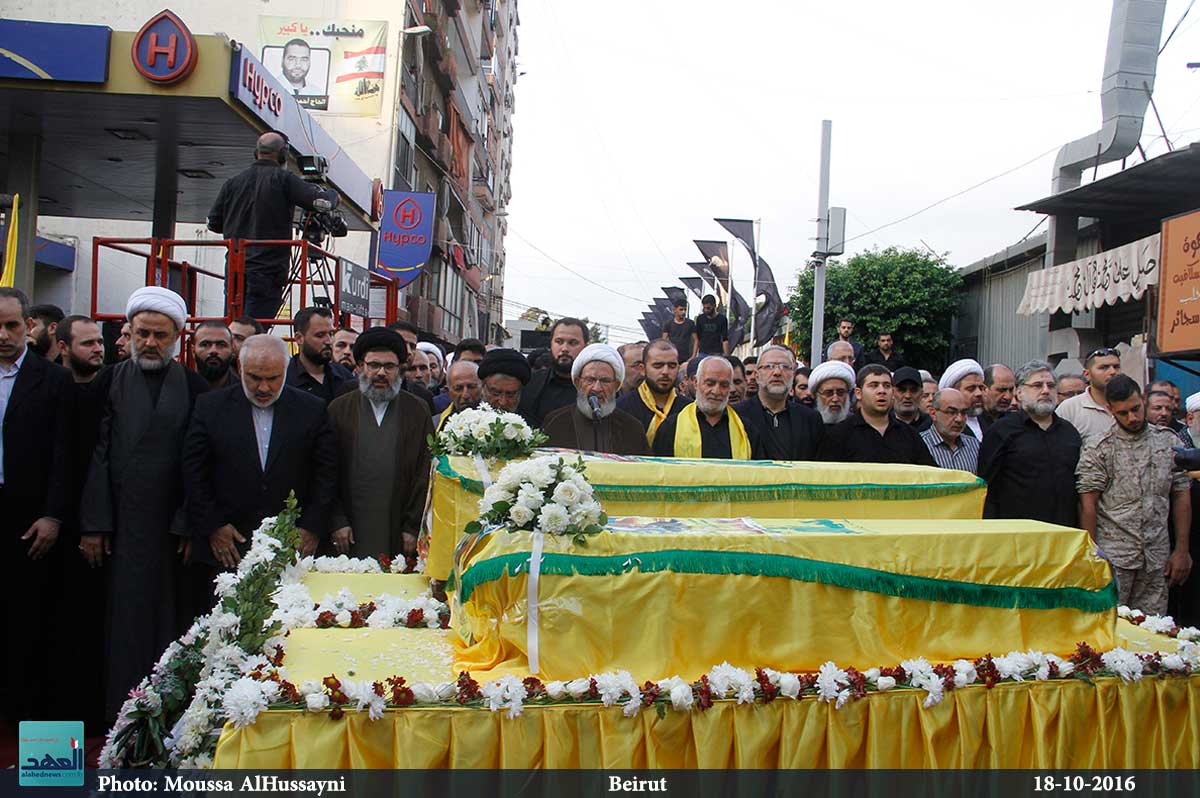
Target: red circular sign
407 214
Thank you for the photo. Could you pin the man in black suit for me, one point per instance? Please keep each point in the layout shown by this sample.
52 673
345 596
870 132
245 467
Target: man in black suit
784 430
37 478
248 447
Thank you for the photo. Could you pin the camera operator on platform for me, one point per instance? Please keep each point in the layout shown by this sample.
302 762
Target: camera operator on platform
257 204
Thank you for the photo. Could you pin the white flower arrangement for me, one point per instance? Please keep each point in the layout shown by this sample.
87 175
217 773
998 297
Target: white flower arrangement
546 494
492 434
1160 624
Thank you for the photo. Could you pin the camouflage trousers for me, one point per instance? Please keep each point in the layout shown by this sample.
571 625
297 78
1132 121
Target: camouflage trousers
1143 589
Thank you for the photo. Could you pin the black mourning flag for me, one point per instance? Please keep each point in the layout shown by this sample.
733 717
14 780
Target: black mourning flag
716 254
694 284
676 295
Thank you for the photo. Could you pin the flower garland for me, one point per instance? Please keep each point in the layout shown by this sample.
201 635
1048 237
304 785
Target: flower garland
545 495
174 717
488 433
1161 624
830 684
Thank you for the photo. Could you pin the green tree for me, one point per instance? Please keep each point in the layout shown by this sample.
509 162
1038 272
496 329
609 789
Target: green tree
596 333
906 292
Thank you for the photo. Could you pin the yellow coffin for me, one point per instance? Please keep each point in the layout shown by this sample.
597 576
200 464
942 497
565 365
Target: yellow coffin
664 597
680 487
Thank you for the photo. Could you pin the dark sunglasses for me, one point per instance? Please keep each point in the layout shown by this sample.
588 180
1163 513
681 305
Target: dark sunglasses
1105 352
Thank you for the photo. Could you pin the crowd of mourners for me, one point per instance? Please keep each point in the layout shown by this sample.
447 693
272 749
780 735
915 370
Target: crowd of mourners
129 480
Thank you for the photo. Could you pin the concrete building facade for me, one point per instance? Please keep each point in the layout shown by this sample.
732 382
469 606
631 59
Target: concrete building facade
444 126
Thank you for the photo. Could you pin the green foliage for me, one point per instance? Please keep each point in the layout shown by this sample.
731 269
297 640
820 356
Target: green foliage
906 292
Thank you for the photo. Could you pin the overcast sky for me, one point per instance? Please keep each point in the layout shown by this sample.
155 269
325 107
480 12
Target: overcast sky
638 121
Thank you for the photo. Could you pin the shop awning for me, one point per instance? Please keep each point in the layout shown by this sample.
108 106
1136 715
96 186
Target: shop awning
1101 279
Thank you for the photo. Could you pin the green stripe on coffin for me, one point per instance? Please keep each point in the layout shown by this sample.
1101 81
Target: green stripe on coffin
753 493
839 575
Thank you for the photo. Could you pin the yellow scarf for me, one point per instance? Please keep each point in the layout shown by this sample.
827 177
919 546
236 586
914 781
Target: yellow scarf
659 415
449 411
687 435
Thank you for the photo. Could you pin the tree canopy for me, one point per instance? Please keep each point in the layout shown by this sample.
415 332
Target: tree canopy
909 293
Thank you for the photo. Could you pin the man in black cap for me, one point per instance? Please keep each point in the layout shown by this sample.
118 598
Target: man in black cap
504 372
383 455
906 398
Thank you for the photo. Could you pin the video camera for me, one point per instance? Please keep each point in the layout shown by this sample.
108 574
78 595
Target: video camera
318 224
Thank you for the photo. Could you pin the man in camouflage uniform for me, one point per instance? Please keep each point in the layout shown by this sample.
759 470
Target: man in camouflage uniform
1127 482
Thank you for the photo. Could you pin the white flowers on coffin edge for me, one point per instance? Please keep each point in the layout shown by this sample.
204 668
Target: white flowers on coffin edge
545 494
487 432
1161 624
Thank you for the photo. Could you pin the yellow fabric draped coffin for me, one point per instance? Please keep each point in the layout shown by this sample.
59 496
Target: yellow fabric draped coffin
1070 724
691 488
671 597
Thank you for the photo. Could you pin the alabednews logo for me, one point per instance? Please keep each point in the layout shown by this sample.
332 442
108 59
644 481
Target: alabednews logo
51 753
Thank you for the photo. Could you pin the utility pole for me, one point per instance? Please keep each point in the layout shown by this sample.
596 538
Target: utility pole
818 322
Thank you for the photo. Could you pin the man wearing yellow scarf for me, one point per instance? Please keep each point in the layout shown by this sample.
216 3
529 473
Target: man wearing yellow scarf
710 428
655 399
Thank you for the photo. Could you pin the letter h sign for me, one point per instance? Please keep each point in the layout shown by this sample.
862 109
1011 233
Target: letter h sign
153 50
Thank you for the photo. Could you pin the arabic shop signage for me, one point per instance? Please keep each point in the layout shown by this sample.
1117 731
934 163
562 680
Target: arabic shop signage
50 753
1105 278
334 65
354 288
405 234
1179 290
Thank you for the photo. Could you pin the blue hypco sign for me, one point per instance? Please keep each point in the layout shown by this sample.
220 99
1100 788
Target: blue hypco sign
405 234
53 51
263 96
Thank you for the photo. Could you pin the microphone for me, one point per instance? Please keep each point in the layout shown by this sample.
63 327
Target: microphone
594 403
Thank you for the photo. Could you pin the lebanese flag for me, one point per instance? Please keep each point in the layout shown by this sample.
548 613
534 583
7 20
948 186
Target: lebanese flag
368 63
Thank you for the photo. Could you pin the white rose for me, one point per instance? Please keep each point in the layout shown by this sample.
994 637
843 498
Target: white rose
789 685
556 690
530 497
885 683
512 432
578 688
343 618
496 493
521 515
316 702
566 494
553 520
424 693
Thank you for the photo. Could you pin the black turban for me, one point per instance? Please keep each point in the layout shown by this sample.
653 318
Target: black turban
505 361
380 338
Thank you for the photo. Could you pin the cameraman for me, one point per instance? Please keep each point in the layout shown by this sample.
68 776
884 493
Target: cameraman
257 204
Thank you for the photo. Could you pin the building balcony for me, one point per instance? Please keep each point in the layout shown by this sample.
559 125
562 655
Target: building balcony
444 151
428 129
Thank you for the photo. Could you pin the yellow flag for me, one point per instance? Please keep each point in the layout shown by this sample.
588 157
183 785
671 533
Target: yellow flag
10 248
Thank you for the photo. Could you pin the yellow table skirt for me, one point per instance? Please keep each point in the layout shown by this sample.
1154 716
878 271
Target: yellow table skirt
686 488
1154 723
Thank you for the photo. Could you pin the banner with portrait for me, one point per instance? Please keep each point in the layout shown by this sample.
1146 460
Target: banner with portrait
328 64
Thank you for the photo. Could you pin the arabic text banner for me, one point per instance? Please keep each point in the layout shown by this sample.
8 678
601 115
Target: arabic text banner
329 64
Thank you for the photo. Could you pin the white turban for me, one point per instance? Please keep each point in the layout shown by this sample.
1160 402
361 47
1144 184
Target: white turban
602 352
157 299
1193 403
432 349
957 370
830 370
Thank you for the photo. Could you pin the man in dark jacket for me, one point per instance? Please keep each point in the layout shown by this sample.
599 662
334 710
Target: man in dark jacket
257 204
36 494
552 388
248 446
784 430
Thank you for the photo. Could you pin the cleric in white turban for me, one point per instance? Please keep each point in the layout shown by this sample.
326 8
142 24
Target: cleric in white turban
966 376
131 513
594 423
833 401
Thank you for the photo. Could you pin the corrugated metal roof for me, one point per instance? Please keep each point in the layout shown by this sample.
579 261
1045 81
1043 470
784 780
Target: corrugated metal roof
1157 188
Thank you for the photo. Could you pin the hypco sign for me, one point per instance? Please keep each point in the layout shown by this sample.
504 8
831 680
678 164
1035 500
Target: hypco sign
405 234
354 288
258 82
